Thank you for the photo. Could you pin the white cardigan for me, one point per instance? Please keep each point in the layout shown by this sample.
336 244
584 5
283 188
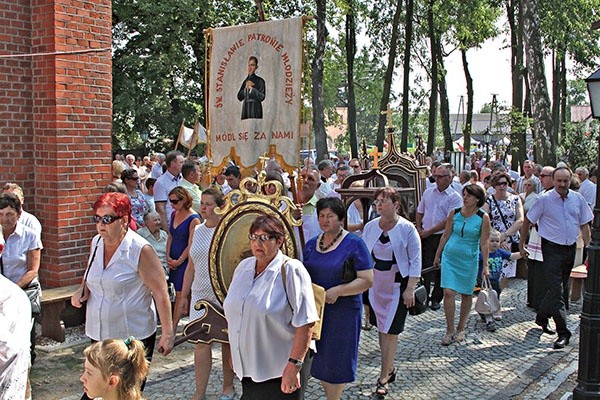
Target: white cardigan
406 244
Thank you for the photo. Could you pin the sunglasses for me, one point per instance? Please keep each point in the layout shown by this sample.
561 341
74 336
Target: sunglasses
263 238
503 183
105 219
133 178
174 201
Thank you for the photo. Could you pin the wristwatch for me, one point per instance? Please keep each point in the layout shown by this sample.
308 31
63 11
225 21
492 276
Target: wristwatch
297 363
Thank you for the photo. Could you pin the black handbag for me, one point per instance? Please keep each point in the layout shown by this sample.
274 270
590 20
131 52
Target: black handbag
33 292
348 272
420 300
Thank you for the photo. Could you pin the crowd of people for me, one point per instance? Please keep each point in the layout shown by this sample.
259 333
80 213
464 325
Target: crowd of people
149 262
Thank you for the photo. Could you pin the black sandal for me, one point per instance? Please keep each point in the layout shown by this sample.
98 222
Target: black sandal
382 389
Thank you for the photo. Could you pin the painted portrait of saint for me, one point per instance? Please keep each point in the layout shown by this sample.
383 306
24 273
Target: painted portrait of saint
252 92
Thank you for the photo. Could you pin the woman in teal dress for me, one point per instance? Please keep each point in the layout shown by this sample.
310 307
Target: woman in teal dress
467 231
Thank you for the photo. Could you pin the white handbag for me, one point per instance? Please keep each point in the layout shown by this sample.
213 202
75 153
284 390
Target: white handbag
487 299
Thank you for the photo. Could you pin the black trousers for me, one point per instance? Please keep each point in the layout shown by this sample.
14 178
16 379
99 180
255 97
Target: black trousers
429 246
535 271
557 265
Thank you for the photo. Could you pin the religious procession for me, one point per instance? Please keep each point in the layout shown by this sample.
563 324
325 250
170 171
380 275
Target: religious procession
284 275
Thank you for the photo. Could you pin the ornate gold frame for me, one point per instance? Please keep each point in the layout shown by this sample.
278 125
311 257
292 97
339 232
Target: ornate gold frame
230 242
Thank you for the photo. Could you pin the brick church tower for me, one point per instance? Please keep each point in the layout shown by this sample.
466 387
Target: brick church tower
55 120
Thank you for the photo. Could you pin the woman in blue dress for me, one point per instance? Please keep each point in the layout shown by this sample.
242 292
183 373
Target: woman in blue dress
324 257
467 230
181 230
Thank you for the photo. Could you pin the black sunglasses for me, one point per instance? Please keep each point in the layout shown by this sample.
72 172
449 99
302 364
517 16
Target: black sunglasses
174 201
105 219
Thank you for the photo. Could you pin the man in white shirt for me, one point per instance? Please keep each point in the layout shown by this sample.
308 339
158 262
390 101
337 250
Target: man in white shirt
167 182
560 214
528 169
587 188
325 168
191 178
157 168
432 212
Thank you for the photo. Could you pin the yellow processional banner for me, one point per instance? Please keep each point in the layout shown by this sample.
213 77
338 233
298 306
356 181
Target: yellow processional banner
254 98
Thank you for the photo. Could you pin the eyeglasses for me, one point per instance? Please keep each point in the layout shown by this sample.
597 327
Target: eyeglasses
543 175
105 219
263 238
440 176
503 183
381 201
355 166
133 178
174 201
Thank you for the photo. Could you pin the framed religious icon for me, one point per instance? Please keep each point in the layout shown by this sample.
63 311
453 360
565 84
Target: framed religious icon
230 243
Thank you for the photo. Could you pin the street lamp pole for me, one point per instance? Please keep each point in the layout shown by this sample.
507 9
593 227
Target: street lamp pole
487 139
588 376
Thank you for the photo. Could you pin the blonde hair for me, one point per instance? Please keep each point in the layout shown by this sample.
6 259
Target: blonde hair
495 232
126 359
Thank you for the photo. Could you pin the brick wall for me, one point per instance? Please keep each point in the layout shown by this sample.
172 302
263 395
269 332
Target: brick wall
55 121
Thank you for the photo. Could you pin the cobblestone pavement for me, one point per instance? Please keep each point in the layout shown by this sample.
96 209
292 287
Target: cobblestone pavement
517 361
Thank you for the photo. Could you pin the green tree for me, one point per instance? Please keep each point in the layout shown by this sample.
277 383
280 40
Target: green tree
579 147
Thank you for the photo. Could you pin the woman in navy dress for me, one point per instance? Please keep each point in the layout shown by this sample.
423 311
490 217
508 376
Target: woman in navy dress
181 230
467 229
324 256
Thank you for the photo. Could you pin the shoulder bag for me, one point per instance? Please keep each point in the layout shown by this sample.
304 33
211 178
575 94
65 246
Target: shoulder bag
319 293
514 246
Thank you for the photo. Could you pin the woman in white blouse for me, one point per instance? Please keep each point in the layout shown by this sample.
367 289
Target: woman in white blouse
269 321
123 278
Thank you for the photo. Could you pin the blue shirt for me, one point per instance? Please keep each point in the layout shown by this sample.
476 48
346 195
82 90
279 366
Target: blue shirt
495 261
559 219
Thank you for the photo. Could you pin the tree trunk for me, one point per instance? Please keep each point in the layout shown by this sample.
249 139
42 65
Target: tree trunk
563 101
444 104
433 96
406 89
517 135
389 74
317 83
350 54
540 101
556 95
469 122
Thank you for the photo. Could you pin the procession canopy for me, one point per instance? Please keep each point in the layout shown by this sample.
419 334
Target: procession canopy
254 77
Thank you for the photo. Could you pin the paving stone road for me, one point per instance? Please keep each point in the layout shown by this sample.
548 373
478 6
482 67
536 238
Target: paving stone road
517 361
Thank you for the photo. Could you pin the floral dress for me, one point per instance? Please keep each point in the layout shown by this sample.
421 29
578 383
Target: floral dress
508 209
139 207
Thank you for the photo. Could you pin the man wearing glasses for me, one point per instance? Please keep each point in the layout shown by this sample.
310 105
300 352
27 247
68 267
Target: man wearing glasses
432 212
167 181
355 165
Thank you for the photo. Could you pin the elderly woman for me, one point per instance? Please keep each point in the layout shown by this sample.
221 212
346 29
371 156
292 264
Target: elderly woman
20 259
467 230
270 320
325 257
197 282
394 243
123 282
529 196
506 216
139 205
181 229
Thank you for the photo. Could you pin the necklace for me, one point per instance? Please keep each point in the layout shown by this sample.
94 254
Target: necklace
325 248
